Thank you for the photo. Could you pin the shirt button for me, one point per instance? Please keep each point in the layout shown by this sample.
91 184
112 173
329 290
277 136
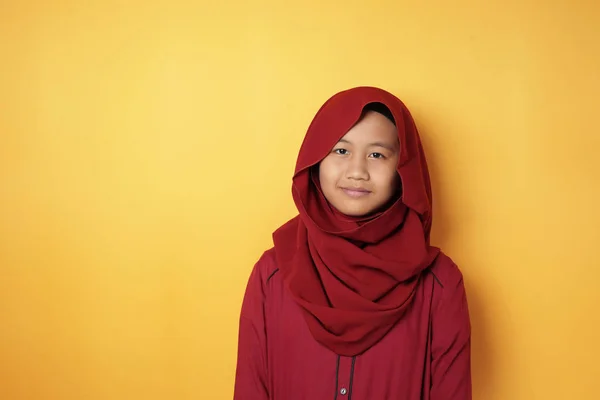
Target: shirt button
343 391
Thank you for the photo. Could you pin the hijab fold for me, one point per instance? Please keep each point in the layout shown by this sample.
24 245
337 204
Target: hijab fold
354 278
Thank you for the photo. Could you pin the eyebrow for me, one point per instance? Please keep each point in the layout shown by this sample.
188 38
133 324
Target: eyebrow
374 144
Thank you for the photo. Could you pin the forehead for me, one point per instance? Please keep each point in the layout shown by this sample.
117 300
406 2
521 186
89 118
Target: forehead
373 126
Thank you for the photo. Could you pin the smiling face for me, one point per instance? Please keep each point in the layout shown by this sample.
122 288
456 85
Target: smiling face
359 176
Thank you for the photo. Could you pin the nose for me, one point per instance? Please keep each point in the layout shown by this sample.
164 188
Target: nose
357 169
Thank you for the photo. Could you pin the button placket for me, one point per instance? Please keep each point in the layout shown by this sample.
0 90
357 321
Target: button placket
343 378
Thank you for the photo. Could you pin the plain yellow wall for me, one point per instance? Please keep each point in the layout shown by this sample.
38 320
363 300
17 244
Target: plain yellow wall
146 152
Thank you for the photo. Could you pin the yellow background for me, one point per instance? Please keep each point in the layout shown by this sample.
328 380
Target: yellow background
146 152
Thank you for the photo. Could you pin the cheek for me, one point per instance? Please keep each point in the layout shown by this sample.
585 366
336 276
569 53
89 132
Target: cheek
388 179
328 172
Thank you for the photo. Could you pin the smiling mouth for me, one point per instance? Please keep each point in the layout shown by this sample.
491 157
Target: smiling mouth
354 192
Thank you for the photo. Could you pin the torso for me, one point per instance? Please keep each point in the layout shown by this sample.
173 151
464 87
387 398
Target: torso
397 367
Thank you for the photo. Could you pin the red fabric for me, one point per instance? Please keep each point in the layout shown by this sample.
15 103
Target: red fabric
425 356
355 278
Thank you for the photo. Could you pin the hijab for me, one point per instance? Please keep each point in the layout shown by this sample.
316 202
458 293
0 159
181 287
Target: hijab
354 277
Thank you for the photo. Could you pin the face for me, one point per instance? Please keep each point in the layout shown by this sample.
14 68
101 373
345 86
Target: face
358 176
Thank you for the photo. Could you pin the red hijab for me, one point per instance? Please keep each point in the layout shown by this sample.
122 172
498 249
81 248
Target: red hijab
354 278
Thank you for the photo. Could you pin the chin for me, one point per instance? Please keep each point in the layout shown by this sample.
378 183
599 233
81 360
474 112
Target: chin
352 214
355 212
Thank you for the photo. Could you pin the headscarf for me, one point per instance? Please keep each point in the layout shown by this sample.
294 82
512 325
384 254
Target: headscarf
354 278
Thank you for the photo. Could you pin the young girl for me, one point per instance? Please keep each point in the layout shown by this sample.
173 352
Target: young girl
352 302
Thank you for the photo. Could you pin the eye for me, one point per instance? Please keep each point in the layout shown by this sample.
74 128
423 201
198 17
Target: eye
377 155
341 152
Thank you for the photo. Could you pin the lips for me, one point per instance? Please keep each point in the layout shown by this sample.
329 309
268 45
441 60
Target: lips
355 192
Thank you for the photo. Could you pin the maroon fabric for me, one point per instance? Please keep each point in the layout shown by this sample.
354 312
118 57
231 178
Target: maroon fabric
354 278
425 356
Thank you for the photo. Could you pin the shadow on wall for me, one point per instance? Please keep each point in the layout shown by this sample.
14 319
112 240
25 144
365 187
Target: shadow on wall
445 221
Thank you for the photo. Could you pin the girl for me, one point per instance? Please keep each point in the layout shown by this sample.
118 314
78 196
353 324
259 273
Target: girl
352 302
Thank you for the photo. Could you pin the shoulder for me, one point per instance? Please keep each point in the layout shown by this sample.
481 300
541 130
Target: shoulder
445 272
266 267
451 326
256 288
448 285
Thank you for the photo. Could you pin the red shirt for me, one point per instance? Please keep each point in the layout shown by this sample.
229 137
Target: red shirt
426 356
